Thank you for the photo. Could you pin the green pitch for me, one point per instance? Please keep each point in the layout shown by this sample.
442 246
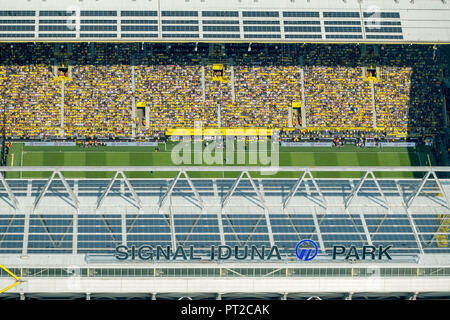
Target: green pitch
20 155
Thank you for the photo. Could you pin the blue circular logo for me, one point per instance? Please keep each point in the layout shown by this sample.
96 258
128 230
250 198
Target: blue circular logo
305 253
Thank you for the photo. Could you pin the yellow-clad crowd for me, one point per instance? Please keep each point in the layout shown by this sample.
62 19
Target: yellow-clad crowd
263 96
409 93
100 91
336 94
29 96
98 97
392 97
173 94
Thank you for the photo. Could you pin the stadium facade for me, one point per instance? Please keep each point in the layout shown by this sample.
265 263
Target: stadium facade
384 238
228 21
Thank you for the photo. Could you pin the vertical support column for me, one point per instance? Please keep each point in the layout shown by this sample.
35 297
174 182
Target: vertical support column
374 109
203 82
219 118
133 105
26 229
36 24
290 116
233 89
220 214
173 236
124 228
147 117
302 81
75 233
63 83
266 214
363 70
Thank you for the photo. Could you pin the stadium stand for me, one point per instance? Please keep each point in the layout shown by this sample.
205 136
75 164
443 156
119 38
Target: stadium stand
28 91
260 83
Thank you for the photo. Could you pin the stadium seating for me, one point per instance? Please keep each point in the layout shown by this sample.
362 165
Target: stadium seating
98 95
28 91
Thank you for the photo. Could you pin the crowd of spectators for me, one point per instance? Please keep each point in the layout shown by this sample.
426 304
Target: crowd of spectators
169 82
335 91
98 98
99 95
30 97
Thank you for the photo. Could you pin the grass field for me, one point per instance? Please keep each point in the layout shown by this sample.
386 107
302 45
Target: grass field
20 155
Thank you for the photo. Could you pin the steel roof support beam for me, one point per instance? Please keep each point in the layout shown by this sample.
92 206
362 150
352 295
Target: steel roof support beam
364 225
266 214
130 187
26 231
297 185
366 229
196 193
411 220
108 227
169 191
355 190
47 185
362 218
438 182
231 191
252 232
314 181
123 223
260 195
102 198
191 229
5 232
69 190
358 187
445 222
417 190
11 195
319 233
235 185
293 190
173 234
75 233
220 214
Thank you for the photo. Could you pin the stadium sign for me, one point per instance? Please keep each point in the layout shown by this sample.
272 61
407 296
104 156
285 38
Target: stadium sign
367 252
306 250
147 252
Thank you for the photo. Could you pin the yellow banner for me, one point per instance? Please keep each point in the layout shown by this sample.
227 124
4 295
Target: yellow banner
220 132
296 105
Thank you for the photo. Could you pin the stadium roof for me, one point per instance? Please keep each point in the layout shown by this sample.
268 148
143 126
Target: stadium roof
419 21
58 235
62 215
